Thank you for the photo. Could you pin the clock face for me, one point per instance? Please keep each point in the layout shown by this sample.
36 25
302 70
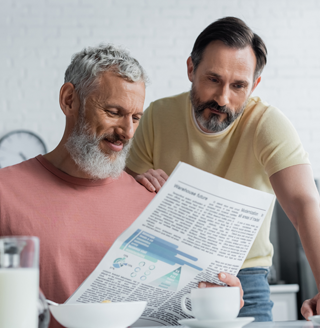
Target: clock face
18 146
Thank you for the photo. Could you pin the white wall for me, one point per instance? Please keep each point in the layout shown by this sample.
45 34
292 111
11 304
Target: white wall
38 37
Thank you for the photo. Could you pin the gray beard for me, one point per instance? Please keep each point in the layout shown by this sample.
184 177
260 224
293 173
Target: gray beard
84 149
212 123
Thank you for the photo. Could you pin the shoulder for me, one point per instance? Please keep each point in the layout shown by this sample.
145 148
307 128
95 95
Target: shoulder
169 105
15 177
261 115
134 188
29 166
257 108
172 100
276 142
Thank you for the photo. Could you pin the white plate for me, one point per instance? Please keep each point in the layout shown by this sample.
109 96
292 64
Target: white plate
315 319
234 323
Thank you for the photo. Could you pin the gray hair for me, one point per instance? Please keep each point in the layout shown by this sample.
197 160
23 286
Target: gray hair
87 65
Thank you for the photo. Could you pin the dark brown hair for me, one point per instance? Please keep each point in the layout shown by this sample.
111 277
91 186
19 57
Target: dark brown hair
234 33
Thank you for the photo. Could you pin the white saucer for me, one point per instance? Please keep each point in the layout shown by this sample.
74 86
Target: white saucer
315 319
234 323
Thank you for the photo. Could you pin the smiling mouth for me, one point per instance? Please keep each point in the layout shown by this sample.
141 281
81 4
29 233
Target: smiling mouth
118 142
115 145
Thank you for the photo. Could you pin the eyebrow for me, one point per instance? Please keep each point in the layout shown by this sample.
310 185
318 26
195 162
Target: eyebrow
213 74
120 108
219 76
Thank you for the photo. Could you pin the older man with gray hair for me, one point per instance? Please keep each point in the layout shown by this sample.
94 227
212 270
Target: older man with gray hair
77 199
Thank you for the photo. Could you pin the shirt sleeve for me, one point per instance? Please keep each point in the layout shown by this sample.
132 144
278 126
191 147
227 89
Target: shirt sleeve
140 157
276 142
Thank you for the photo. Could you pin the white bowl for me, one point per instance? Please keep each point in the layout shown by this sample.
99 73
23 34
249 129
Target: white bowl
98 315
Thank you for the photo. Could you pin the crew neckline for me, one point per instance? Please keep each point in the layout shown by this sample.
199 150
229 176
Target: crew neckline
69 178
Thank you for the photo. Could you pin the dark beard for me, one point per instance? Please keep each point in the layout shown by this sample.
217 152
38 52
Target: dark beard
212 123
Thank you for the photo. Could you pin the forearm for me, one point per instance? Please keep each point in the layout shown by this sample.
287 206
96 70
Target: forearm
309 232
308 228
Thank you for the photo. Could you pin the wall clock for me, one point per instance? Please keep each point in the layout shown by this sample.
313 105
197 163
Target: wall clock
18 146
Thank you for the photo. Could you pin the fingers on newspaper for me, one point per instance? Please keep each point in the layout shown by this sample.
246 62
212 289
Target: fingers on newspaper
197 226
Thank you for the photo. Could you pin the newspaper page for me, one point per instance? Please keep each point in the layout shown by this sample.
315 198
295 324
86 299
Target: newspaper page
197 226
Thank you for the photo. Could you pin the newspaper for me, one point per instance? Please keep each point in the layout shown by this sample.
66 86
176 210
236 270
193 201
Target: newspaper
197 226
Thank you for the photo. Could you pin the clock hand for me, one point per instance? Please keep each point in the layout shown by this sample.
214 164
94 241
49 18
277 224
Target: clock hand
22 156
7 150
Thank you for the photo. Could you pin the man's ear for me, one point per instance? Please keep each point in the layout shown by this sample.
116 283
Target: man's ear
190 69
69 100
257 81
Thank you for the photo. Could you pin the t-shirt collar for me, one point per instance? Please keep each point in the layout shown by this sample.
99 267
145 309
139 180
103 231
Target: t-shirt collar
74 180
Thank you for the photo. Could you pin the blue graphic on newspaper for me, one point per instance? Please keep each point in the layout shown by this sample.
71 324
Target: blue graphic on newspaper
170 281
154 249
118 263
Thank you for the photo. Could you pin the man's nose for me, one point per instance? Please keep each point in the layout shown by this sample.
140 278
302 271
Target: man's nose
125 128
222 95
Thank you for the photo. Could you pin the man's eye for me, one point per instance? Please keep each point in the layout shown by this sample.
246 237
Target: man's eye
111 112
238 86
213 79
136 118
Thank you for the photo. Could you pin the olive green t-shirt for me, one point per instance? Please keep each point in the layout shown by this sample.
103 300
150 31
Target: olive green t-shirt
259 143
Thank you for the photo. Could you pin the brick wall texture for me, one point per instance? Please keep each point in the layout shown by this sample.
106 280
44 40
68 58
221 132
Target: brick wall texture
38 38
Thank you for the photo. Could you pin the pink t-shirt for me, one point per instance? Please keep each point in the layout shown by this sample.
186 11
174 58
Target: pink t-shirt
77 220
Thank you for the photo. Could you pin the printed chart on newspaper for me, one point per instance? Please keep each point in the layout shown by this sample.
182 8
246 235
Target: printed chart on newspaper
197 226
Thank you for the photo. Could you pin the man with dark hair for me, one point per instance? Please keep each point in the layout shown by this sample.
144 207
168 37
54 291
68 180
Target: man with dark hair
219 128
233 32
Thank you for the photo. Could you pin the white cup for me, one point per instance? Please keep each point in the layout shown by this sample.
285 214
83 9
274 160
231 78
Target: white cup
216 303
